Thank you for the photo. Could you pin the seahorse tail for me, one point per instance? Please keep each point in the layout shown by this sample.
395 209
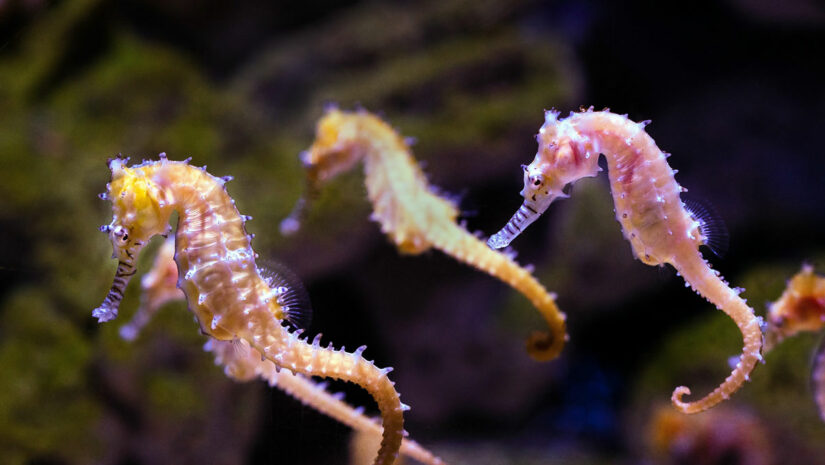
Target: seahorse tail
752 334
297 355
463 246
312 394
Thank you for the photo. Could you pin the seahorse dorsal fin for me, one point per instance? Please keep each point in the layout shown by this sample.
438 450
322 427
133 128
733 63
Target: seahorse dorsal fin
292 295
711 226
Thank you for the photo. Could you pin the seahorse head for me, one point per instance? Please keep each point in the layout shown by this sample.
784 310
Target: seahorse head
138 214
139 211
800 308
334 151
335 148
562 159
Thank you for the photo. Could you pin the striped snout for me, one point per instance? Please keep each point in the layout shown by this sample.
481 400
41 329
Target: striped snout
525 215
108 309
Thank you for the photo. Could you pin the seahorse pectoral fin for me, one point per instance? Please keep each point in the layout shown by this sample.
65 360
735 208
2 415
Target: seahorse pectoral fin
524 216
108 309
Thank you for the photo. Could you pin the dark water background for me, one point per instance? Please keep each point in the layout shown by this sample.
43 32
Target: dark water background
735 92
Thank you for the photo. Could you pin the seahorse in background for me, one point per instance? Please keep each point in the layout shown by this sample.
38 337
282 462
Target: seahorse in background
224 288
408 210
801 308
655 221
243 363
715 437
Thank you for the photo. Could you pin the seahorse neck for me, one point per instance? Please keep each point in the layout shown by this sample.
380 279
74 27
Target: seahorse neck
216 264
387 159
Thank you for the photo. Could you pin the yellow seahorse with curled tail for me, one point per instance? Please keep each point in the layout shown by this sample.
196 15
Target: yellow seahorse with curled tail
648 206
408 210
243 363
223 286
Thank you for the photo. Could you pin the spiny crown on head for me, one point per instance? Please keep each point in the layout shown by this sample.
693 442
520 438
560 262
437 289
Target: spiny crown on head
138 210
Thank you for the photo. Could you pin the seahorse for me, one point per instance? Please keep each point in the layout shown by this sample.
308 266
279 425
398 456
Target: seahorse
411 213
243 363
725 432
801 308
655 221
222 284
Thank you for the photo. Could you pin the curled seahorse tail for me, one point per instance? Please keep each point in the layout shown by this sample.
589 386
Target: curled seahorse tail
708 284
297 355
541 345
246 365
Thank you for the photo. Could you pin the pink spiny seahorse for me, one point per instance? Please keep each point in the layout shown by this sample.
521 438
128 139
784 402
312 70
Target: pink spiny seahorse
408 210
222 284
653 218
243 363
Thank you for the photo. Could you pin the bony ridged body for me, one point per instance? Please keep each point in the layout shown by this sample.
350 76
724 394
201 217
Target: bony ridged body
648 206
415 217
242 363
218 275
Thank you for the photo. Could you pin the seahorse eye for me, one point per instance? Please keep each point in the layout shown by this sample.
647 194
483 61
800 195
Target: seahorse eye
538 180
121 233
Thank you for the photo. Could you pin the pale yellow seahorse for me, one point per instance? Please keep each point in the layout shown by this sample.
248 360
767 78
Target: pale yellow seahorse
801 308
653 218
223 286
243 363
408 210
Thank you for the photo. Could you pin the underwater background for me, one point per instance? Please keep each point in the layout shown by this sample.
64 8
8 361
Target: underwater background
735 92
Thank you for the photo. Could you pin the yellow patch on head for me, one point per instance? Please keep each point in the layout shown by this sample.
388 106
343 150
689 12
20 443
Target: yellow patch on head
328 130
135 200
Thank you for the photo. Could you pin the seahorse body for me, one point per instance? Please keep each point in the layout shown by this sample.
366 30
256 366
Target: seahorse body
218 275
243 363
653 218
408 210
